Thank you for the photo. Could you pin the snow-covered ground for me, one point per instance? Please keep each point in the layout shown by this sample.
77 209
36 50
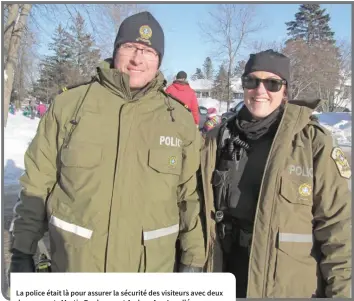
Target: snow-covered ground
20 131
340 124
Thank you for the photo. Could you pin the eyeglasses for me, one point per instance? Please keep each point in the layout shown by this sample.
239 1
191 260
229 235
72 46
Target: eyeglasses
271 84
129 50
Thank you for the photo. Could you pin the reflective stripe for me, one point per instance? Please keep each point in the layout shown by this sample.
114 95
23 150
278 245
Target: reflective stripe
83 232
161 232
293 237
16 216
15 207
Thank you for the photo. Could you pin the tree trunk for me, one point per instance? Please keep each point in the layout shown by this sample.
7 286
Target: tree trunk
12 56
228 87
9 27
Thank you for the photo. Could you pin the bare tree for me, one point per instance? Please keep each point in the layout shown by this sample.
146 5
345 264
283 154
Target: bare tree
26 67
343 94
104 29
301 67
261 45
103 18
12 17
229 29
13 49
315 70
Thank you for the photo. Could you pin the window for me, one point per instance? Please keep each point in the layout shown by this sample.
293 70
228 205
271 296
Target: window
197 93
205 94
238 95
347 92
203 110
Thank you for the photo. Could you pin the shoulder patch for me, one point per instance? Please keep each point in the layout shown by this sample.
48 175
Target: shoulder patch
341 162
77 85
177 100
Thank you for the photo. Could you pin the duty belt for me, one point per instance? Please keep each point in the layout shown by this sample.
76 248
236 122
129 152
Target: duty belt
230 232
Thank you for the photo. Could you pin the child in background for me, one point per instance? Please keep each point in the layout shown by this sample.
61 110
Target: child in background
212 121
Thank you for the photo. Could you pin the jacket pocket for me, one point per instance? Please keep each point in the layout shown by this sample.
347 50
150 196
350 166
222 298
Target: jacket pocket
160 248
69 243
296 192
295 267
79 170
81 155
166 161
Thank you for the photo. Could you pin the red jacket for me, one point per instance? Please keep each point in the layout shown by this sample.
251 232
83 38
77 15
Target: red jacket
183 92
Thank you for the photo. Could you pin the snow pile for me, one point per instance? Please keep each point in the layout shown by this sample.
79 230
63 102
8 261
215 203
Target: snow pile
340 125
18 134
201 84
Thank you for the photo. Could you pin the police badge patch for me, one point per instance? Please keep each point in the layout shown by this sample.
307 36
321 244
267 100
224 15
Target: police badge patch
173 161
341 162
145 34
305 190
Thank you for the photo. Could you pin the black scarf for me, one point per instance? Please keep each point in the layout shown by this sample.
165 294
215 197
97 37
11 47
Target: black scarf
254 129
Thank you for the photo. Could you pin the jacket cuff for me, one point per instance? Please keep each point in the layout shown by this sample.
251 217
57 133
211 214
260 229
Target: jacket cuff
24 243
189 260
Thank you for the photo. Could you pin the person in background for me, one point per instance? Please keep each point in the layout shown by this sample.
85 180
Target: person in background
111 172
277 191
32 109
12 109
41 108
181 90
212 121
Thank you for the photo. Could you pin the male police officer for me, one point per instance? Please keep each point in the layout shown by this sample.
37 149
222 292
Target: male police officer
111 170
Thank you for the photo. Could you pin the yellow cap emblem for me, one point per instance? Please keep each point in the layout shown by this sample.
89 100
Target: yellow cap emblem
145 34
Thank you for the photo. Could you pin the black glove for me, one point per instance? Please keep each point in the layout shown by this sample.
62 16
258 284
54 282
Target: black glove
21 262
189 269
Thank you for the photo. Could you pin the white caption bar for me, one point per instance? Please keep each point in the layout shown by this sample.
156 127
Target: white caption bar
123 287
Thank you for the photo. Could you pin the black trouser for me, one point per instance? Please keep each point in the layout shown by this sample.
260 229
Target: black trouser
236 262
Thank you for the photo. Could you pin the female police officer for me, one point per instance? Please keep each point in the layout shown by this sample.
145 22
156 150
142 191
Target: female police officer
277 191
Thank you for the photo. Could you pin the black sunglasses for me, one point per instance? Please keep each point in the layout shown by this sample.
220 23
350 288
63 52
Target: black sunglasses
271 84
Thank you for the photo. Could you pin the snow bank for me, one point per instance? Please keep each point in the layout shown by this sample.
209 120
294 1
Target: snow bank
340 125
18 133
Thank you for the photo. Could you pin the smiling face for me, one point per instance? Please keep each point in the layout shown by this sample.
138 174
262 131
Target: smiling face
140 62
259 100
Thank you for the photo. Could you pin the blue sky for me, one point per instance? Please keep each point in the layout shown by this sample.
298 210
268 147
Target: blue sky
185 48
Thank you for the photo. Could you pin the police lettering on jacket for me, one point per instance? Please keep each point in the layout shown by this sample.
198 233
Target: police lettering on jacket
170 141
301 171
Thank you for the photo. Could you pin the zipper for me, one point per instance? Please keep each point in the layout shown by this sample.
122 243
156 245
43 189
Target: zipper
114 177
258 202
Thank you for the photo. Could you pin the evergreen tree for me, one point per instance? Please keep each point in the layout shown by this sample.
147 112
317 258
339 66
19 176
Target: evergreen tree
239 69
198 74
208 68
221 84
55 69
73 60
313 52
311 24
85 55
